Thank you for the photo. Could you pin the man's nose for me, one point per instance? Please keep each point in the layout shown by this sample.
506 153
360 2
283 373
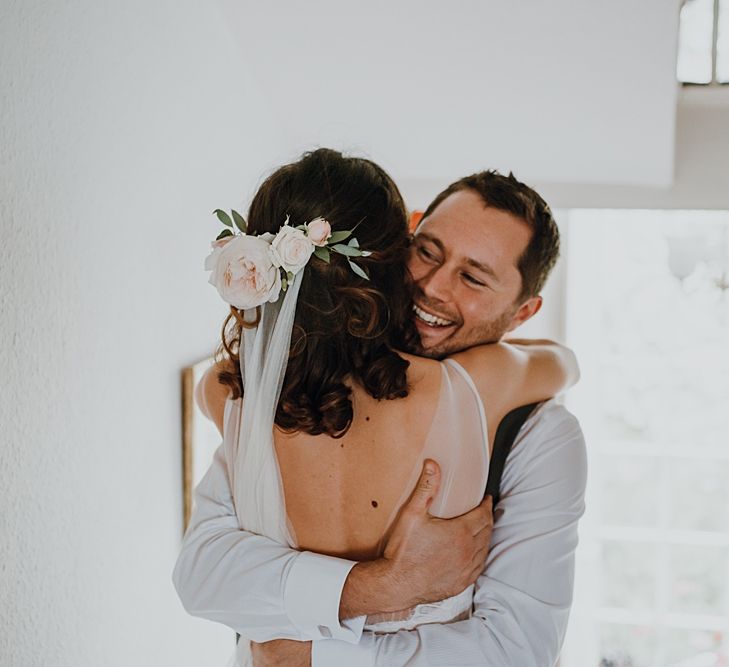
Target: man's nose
436 285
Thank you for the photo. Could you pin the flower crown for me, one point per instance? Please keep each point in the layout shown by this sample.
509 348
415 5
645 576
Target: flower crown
249 270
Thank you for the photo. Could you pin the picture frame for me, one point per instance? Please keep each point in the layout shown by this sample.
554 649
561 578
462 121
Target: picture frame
200 436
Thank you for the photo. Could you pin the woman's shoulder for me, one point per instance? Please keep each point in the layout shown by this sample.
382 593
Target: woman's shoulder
421 369
481 363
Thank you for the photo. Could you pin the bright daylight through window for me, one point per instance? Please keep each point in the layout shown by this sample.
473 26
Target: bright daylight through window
648 315
703 44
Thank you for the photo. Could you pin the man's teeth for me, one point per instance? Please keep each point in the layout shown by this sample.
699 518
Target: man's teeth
431 319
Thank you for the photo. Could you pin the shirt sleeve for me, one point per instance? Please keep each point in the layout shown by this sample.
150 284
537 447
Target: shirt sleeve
522 600
256 586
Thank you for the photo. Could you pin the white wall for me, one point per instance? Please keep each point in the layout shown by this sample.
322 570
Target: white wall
700 181
122 126
567 90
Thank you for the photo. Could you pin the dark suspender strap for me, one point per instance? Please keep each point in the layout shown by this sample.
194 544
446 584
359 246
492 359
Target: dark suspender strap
505 435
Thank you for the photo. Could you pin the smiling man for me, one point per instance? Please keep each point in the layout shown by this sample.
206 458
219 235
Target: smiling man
479 260
480 257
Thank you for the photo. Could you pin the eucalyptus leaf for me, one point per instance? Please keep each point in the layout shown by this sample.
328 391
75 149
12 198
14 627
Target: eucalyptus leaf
223 217
346 250
336 237
358 270
225 233
323 254
240 223
353 243
284 284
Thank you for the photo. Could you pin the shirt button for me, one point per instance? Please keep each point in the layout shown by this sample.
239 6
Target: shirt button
325 631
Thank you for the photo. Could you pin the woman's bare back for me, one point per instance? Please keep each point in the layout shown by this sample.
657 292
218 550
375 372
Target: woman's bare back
343 494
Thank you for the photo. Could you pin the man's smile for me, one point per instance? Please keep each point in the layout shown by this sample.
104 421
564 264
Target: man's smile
431 318
432 327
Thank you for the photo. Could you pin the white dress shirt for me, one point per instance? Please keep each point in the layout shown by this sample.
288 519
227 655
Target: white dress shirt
521 603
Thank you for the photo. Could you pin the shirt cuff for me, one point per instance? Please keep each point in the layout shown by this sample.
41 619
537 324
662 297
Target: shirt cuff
312 595
333 653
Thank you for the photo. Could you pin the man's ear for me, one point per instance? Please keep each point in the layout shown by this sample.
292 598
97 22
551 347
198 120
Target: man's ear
527 310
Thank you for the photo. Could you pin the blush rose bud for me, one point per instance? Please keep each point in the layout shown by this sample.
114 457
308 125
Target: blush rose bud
318 231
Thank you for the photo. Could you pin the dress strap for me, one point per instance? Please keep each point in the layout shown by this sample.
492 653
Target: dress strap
477 396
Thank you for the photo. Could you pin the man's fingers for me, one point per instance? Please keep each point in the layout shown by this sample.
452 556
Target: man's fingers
484 533
426 488
480 517
479 558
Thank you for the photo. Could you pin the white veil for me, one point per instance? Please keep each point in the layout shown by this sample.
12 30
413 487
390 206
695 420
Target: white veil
251 457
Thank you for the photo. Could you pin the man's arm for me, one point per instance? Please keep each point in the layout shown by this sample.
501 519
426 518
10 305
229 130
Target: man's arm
523 598
264 590
254 585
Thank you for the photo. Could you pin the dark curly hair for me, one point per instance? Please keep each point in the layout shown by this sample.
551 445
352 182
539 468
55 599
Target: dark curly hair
346 328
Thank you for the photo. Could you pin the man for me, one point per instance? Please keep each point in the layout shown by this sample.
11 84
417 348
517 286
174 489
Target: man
479 260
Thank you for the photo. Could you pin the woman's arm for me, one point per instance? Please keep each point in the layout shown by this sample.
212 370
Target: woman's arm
510 374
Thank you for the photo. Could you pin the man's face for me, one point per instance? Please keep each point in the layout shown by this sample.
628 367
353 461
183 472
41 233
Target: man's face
463 263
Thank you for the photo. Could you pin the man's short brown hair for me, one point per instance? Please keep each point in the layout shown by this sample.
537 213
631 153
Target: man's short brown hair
506 193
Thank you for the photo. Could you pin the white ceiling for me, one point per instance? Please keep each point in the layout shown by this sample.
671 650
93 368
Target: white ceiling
566 91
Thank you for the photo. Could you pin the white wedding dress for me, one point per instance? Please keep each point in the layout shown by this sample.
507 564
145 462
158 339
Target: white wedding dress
457 439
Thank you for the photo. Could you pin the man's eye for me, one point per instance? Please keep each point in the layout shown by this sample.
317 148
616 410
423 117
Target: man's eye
425 253
469 278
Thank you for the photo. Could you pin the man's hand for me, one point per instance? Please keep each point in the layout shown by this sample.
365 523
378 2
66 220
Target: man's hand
435 558
425 558
281 652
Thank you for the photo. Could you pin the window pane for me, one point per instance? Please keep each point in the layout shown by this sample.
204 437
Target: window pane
629 570
700 501
722 54
695 35
655 333
695 647
626 645
630 490
698 579
653 565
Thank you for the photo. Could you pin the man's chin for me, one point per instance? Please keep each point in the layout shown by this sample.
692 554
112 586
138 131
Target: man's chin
439 348
435 341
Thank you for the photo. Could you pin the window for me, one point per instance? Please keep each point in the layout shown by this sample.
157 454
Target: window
703 44
653 563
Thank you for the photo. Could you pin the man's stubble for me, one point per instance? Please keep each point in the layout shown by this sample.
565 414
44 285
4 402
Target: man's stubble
489 332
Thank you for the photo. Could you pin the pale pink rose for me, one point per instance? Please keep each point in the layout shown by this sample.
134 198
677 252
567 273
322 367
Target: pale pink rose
242 271
291 249
219 243
318 231
212 258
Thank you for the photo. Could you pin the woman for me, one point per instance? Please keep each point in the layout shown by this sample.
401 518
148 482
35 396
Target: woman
337 418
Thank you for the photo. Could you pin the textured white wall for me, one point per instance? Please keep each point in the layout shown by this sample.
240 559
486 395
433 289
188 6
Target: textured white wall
566 90
122 125
701 179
